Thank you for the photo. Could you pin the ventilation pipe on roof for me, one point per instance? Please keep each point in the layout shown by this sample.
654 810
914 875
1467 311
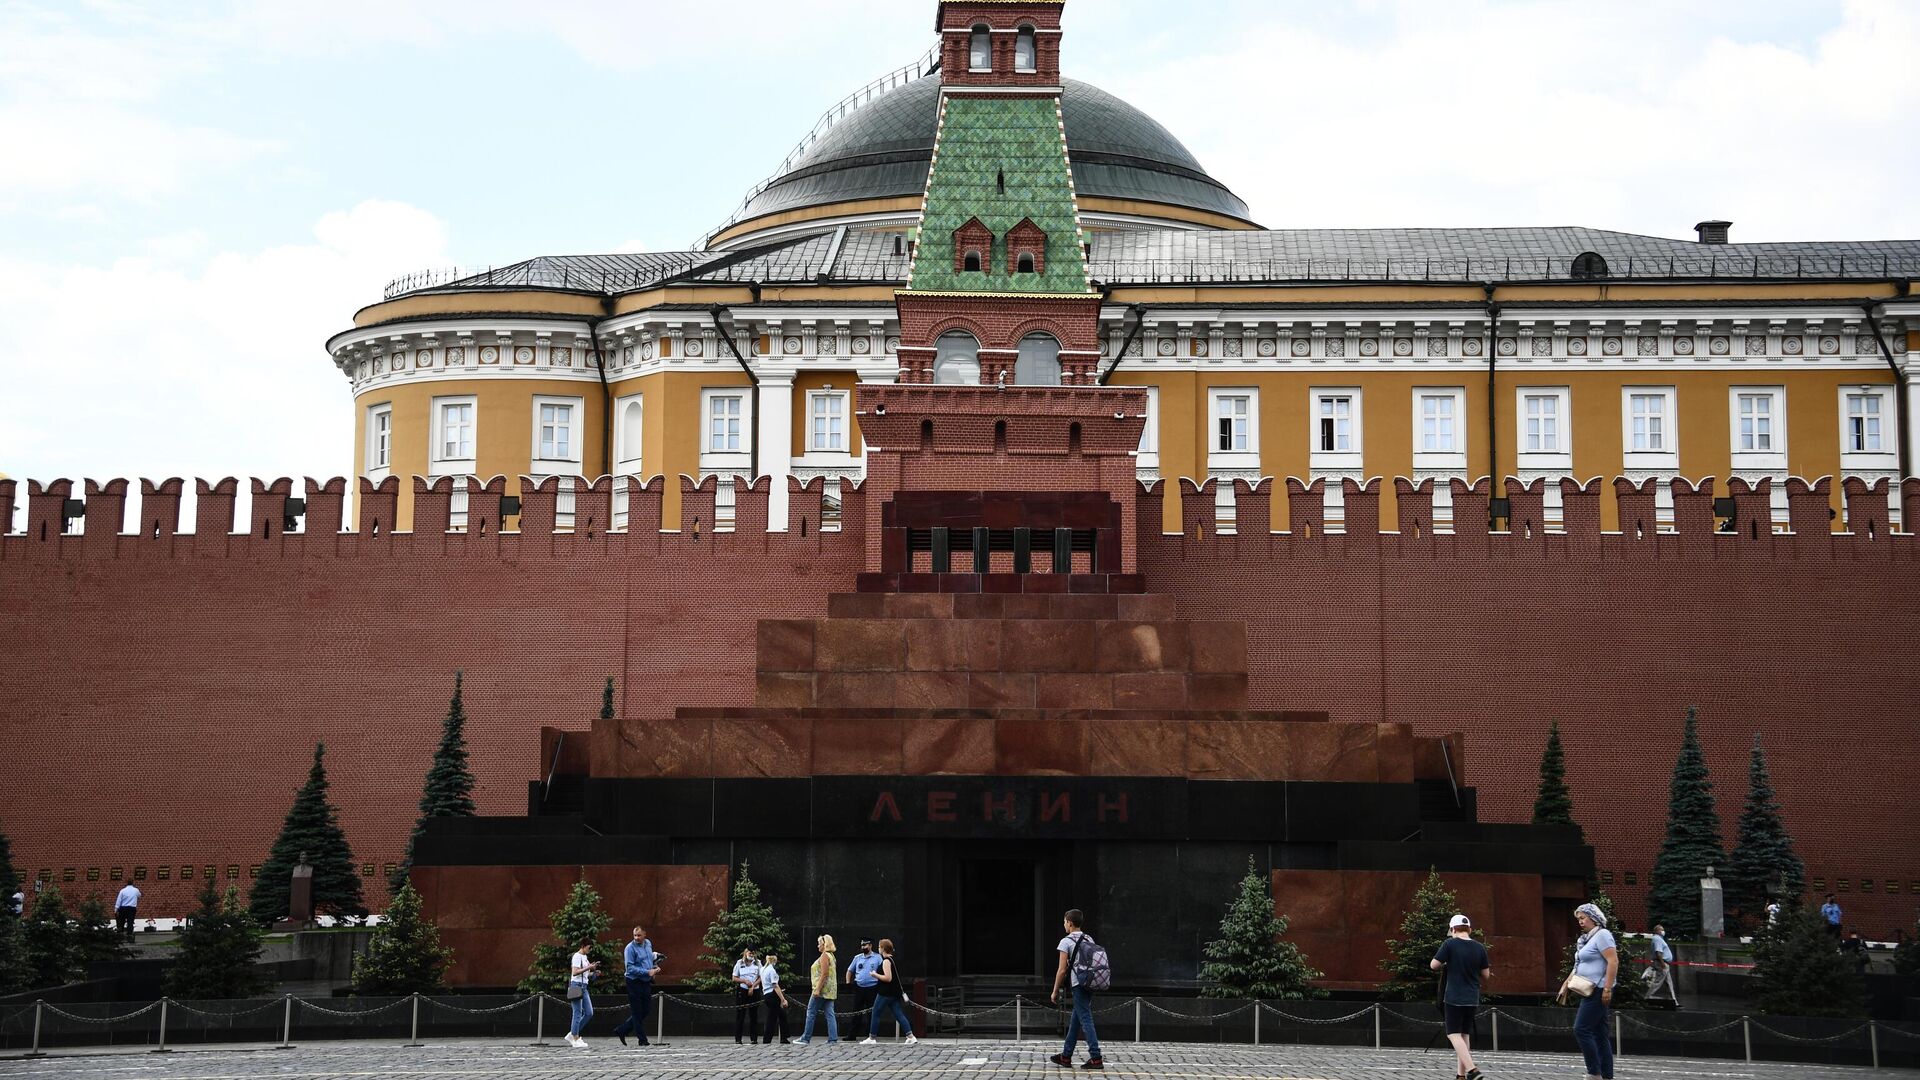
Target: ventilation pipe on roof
1873 309
1712 232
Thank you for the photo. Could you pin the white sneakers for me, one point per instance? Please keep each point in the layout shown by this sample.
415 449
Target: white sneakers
911 1039
868 1041
575 1041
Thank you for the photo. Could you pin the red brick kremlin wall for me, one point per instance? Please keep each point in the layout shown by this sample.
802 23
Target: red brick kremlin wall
159 697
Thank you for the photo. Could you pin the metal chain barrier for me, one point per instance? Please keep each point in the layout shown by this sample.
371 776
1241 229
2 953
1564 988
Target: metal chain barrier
1810 1038
1312 1020
912 1004
1899 1031
1192 1018
736 1007
523 1002
1539 1027
65 1015
1637 1021
353 1013
276 1003
1425 1021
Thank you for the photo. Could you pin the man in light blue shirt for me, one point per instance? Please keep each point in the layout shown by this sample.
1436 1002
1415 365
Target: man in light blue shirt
861 974
1660 968
125 907
642 965
1830 911
746 995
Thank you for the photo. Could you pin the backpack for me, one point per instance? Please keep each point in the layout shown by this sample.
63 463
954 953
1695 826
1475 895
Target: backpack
1094 973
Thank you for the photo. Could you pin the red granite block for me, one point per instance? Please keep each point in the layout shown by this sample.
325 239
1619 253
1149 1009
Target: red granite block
937 645
1395 748
1238 750
1087 583
783 689
1147 690
1041 748
978 605
963 746
860 746
1519 964
680 948
1137 747
629 894
784 644
1043 583
1217 692
930 689
762 747
1126 583
1141 647
920 606
861 605
1328 952
492 958
1073 690
999 584
1517 905
1091 607
854 689
1046 645
860 645
1001 690
1217 647
1473 893
690 895
677 747
1024 606
1315 748
1429 761
1312 900
1358 756
536 892
1145 607
470 897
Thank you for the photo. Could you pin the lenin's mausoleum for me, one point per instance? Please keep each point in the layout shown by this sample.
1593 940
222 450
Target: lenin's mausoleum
991 518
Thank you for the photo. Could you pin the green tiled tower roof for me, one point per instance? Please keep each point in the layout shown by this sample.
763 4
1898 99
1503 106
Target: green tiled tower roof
983 141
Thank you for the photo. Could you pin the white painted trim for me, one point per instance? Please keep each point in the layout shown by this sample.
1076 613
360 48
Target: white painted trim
1666 459
439 465
1558 461
623 465
740 459
846 420
378 470
576 414
1450 462
1888 456
1772 460
1351 459
1247 457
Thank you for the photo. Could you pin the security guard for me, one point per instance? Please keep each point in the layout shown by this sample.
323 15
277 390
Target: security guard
746 995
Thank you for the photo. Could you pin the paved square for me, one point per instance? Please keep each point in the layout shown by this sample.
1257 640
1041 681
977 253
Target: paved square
710 1059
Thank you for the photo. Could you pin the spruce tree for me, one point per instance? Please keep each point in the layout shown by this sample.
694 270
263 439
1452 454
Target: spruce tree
405 955
580 917
1692 843
448 791
311 831
1421 932
1249 959
1762 851
1554 803
9 877
13 955
1798 972
96 938
606 700
219 952
49 942
748 921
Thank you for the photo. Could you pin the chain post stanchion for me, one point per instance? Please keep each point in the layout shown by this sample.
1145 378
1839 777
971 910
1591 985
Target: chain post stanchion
1256 1022
1617 1044
414 1038
38 1006
1376 1025
286 1024
1494 1015
1873 1041
1136 1018
660 1020
540 1019
1016 1018
1746 1037
161 1048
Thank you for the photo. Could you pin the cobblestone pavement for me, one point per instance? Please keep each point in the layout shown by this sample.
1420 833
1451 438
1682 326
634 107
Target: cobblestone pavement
931 1060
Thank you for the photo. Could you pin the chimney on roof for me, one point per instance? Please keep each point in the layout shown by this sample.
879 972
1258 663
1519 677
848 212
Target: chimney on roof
1713 232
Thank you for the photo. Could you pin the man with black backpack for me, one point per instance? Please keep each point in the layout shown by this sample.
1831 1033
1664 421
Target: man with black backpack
1082 959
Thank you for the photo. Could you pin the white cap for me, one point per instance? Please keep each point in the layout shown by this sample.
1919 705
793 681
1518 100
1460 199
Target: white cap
1459 921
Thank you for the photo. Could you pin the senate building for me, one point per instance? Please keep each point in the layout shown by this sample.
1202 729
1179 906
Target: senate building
991 516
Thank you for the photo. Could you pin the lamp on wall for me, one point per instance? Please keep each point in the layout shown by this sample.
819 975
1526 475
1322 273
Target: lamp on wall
509 506
70 509
290 515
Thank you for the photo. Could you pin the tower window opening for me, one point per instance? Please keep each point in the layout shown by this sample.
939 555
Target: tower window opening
980 48
1025 265
956 359
1589 265
1000 181
1025 58
973 261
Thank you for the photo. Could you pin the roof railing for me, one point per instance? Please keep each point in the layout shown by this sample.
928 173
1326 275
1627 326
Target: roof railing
1504 268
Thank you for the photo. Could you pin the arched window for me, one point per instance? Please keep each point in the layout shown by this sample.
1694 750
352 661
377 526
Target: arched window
1024 57
630 417
956 359
972 263
1588 265
980 48
1039 362
1025 265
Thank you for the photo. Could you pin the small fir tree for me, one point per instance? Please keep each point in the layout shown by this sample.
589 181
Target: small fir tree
1798 972
13 955
448 791
219 952
1554 803
748 921
405 955
1906 956
1249 959
1692 843
311 831
1762 852
9 877
49 942
96 939
580 917
606 700
1421 933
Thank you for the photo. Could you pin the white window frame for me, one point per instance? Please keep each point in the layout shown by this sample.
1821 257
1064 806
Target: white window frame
622 429
1559 460
576 412
1247 457
1353 457
1888 456
740 459
972 32
379 464
1666 459
441 464
1454 460
1147 455
1774 458
814 397
1032 35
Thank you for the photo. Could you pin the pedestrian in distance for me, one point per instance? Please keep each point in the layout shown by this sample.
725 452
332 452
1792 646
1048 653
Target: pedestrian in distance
1465 964
580 975
746 995
1596 966
860 972
1773 912
824 985
1071 972
17 903
125 907
642 964
1856 946
1830 911
889 998
1660 968
773 997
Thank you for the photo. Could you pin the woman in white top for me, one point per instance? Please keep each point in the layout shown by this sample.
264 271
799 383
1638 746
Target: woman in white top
1595 959
577 982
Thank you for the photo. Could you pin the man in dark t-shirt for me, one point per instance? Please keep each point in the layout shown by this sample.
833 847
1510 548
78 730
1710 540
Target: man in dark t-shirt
1465 962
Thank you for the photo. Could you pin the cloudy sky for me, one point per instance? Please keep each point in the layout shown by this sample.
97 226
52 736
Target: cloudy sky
194 194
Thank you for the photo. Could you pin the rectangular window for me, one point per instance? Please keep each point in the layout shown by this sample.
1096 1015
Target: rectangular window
1647 423
1233 411
724 413
1438 416
1862 432
379 437
1755 433
1150 432
454 441
1541 433
1336 423
556 432
828 422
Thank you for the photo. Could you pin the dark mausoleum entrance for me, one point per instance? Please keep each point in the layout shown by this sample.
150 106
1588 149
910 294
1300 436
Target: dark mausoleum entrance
999 916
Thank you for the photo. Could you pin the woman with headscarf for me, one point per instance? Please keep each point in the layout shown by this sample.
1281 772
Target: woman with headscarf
1596 966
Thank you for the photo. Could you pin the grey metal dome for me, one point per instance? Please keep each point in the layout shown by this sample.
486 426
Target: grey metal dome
882 150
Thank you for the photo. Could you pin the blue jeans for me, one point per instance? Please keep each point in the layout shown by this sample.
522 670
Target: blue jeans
816 1006
582 1011
884 1007
1590 1031
639 1004
1082 1024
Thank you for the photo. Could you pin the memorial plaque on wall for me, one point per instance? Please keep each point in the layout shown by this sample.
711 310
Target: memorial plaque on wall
988 807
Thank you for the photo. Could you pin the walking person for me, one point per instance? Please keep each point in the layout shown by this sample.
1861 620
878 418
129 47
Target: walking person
1466 963
824 985
1082 1022
17 903
774 998
1596 966
581 970
1830 911
1660 968
860 972
889 996
642 964
125 907
746 995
